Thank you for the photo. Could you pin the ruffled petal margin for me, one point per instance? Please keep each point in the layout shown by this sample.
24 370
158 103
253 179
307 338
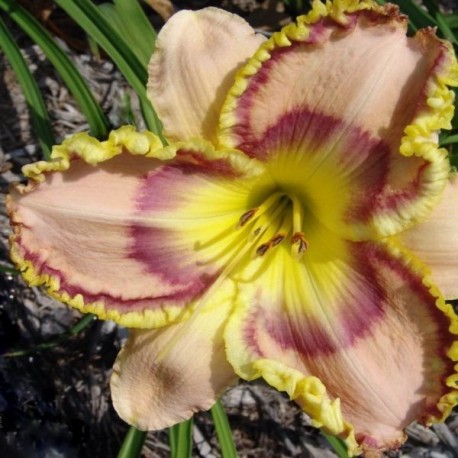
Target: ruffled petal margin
162 377
435 241
137 239
358 80
359 340
197 54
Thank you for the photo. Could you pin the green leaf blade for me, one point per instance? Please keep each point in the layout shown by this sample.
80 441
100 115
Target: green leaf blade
133 443
338 445
136 29
98 123
89 17
180 438
223 431
37 107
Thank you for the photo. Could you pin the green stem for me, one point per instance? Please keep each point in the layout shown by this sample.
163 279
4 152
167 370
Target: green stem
133 443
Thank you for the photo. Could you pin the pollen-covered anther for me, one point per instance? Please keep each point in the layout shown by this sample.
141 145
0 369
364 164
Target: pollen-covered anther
262 249
247 216
277 239
299 244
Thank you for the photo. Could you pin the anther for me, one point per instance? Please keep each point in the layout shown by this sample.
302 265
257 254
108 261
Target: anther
247 216
273 242
262 249
276 240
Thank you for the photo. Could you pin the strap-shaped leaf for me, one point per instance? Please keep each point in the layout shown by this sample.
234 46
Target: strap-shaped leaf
338 445
37 108
441 20
83 323
75 83
452 20
89 17
180 439
130 21
223 431
133 443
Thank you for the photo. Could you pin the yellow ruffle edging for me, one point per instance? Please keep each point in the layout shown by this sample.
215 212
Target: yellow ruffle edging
421 140
299 31
450 399
123 140
421 136
82 145
145 319
310 393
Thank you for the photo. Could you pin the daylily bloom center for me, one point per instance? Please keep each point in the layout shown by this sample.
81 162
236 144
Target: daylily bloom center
278 218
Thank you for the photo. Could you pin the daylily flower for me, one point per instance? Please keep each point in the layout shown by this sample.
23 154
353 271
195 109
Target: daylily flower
296 228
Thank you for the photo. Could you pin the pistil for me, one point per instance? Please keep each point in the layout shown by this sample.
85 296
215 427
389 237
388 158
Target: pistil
299 244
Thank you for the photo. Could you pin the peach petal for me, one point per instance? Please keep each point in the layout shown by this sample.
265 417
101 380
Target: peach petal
163 377
197 54
435 241
365 325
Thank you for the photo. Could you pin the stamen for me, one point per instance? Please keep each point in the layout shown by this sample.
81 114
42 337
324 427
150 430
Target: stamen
265 220
260 219
273 242
247 216
281 233
262 249
267 205
299 244
277 239
273 212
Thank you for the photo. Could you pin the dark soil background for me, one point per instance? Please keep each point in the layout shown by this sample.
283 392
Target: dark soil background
55 403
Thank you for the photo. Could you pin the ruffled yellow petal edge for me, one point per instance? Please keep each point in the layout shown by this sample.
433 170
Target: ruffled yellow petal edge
92 151
298 31
450 399
82 146
125 140
420 137
146 319
439 97
310 393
